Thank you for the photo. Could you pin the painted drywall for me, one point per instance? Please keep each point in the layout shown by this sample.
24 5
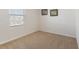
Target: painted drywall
77 25
31 17
63 24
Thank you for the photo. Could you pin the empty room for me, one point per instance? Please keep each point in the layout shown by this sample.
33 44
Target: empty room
39 29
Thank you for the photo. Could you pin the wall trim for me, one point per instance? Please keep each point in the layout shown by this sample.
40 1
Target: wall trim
4 42
60 34
14 38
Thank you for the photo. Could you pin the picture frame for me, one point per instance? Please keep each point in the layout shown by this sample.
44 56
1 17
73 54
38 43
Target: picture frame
54 12
44 11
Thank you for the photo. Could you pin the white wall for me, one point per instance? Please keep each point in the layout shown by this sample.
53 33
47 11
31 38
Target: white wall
63 24
77 25
30 25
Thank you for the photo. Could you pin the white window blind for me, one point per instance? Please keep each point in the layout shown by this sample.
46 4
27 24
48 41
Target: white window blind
16 12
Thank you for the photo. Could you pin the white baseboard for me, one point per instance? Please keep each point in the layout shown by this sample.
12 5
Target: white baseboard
60 34
14 38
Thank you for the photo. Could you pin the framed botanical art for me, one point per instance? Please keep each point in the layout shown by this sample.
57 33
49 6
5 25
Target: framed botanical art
54 12
44 12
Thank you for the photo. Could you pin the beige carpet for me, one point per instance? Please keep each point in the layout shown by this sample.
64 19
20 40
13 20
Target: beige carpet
42 40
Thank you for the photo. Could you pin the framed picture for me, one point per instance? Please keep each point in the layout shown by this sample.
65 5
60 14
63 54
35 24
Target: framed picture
54 12
44 11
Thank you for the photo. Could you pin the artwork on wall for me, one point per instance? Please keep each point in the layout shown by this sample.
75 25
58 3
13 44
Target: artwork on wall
54 12
44 12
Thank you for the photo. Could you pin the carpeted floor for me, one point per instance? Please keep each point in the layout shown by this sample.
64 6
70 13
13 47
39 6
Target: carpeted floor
41 40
